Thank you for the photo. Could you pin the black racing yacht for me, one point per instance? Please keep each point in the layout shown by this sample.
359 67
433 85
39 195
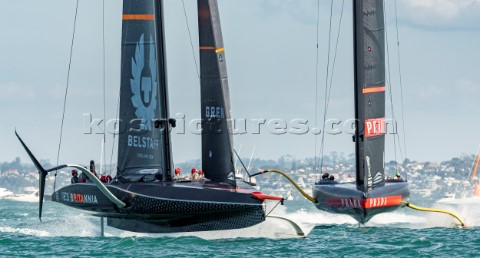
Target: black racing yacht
144 195
371 193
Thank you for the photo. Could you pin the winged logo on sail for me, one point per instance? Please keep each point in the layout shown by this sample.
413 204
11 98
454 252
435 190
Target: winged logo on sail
146 106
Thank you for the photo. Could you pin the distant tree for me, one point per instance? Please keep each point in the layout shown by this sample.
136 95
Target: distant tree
351 158
14 165
341 157
392 163
294 165
334 156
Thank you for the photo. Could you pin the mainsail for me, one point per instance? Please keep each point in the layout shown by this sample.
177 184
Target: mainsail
217 151
143 151
369 93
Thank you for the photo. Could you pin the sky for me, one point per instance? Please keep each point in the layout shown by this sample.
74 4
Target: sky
271 58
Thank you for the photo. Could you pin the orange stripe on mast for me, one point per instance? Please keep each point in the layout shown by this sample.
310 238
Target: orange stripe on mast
220 50
138 17
373 90
207 48
476 190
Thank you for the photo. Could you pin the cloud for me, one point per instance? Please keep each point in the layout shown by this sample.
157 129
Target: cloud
444 9
426 14
304 11
462 90
468 87
430 91
441 14
78 91
14 90
466 94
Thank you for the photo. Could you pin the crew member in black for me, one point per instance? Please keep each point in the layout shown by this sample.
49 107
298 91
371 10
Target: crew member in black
84 177
92 168
74 179
325 176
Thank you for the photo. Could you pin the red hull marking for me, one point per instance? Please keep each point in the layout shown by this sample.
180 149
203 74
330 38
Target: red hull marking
367 203
263 197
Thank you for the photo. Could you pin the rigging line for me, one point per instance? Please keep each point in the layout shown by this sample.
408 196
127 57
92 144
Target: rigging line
388 82
239 151
276 205
103 166
114 134
119 94
401 84
402 153
316 87
251 157
335 55
191 41
326 88
391 89
66 91
241 162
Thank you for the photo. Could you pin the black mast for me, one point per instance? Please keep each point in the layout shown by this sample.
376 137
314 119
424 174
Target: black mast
143 150
217 140
369 60
357 139
162 69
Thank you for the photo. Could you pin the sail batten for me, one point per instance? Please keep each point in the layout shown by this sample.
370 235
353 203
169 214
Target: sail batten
369 38
217 140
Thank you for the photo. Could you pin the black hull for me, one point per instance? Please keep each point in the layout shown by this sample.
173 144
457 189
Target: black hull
168 207
344 198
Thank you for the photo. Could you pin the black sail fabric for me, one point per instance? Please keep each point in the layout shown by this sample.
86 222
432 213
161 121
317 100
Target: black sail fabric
217 151
143 150
370 93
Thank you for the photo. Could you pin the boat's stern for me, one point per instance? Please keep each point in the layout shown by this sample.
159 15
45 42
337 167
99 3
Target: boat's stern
345 198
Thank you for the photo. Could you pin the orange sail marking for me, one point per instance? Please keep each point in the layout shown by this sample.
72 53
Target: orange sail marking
476 189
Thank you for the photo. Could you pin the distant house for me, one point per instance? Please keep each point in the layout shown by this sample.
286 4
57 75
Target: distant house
12 172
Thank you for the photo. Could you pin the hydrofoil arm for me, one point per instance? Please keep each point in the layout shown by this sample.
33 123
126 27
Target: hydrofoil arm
100 185
308 197
295 226
411 206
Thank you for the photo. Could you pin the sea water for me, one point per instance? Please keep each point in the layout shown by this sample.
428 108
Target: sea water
66 232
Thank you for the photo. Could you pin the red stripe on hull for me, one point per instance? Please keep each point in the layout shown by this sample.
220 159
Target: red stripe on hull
368 203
